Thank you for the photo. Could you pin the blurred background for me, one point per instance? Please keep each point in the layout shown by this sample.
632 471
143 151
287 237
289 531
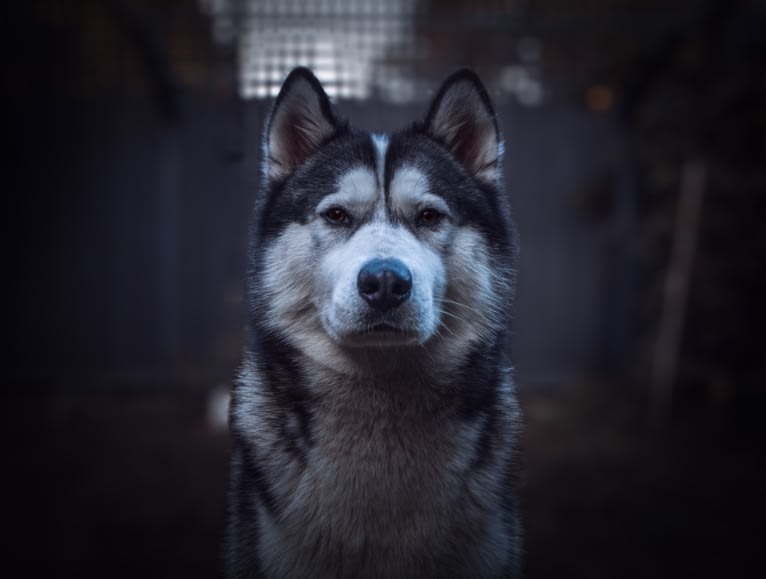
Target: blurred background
636 163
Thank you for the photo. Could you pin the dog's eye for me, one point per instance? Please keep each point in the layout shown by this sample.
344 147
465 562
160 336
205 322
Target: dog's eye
336 216
429 217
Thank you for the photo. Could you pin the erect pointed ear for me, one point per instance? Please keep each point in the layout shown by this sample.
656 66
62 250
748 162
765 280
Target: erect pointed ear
461 117
301 120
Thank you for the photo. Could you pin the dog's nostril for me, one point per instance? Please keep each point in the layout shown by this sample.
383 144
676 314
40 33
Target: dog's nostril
384 283
368 284
399 285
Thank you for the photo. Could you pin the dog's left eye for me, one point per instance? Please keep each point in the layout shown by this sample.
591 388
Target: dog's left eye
429 217
336 216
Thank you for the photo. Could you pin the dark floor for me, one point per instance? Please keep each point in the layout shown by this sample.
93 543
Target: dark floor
608 498
134 486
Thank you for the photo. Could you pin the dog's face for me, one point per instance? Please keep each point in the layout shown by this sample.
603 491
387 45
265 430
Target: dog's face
375 241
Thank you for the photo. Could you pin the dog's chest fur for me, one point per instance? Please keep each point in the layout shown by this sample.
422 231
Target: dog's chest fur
383 485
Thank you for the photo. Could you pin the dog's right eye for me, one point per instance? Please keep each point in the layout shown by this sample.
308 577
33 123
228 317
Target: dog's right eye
336 216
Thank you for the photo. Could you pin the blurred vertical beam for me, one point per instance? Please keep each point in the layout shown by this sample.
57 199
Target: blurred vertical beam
676 291
168 241
143 28
622 329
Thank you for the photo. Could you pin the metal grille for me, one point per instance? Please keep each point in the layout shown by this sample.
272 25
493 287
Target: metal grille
357 48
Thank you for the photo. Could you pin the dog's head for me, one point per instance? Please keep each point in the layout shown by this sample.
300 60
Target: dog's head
364 240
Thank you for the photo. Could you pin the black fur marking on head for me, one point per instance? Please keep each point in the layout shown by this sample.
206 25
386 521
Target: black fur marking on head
459 148
473 201
313 180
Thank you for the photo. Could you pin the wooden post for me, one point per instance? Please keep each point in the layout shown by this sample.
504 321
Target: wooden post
676 291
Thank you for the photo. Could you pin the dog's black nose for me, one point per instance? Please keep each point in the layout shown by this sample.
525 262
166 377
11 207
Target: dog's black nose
384 283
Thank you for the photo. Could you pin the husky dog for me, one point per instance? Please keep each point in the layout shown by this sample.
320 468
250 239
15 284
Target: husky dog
374 419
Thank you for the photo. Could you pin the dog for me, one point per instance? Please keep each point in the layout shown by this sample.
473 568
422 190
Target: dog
374 420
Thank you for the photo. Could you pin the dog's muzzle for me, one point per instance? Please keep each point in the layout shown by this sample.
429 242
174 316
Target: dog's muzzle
384 283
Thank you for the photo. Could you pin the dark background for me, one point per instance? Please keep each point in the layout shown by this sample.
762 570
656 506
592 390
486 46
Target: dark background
636 163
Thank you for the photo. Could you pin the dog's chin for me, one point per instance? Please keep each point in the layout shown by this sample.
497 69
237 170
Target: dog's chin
381 335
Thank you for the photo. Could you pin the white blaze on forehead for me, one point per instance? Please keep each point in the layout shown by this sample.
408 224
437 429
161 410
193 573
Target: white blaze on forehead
357 192
380 142
409 191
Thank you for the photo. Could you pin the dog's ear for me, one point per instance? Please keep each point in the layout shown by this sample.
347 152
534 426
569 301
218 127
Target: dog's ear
301 120
461 117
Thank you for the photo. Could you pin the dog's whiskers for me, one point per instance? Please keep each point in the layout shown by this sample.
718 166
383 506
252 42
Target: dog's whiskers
462 305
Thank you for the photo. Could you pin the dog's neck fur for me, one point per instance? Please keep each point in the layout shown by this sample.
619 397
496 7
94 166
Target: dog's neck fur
387 451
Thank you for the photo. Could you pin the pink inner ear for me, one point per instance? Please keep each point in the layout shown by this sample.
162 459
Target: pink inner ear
297 138
462 118
473 142
466 145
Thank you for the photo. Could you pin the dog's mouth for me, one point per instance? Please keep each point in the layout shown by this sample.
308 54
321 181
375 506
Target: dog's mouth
382 334
383 327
